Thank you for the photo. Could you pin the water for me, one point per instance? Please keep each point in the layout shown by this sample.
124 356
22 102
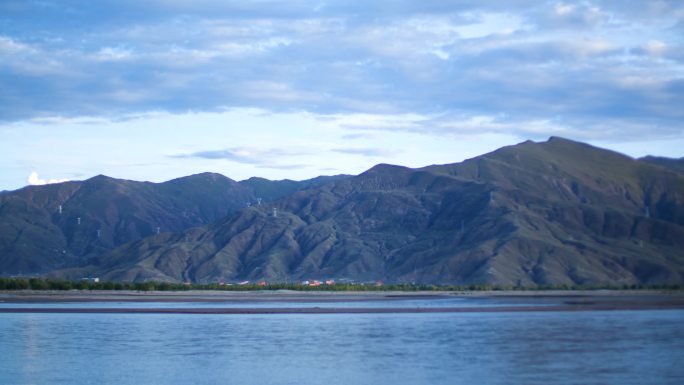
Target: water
447 302
599 347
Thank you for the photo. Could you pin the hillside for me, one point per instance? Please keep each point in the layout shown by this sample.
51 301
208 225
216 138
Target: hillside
43 228
676 165
271 190
557 212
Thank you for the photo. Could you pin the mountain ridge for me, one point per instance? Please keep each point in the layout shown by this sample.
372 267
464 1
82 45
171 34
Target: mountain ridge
66 224
557 212
554 212
672 164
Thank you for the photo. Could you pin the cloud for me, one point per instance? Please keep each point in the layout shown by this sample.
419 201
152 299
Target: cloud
366 151
356 136
247 155
571 15
284 166
34 180
577 64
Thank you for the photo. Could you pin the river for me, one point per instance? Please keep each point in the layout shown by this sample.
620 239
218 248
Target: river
583 347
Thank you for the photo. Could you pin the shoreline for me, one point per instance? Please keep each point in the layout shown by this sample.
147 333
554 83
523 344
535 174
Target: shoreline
303 302
370 310
294 295
50 296
209 296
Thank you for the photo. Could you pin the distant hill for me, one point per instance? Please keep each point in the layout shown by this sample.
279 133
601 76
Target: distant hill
557 212
676 165
102 213
270 190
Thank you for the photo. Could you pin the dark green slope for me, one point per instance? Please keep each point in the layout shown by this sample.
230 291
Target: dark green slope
558 212
271 190
29 241
35 237
589 215
676 165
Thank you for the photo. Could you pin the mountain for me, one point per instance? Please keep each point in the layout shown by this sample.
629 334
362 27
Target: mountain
676 165
102 213
557 212
270 190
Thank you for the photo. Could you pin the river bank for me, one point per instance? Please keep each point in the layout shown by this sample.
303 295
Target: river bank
293 302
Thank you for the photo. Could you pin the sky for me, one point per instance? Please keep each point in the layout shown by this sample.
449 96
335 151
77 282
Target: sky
159 89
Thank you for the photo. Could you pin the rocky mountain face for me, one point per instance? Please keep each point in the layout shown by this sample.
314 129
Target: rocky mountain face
43 228
557 212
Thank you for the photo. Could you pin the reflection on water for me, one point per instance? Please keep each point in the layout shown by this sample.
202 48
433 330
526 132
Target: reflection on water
630 347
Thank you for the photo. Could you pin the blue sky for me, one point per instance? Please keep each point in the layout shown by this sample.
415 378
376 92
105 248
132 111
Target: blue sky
153 90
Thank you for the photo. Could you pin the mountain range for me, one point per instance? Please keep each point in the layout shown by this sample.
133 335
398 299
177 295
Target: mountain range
44 228
554 212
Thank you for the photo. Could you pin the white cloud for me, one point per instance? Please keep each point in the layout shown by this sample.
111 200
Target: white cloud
440 69
255 46
11 46
113 54
574 15
655 47
241 143
491 24
563 9
34 180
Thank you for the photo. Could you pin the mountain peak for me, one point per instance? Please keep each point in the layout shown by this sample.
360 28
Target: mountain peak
559 139
386 167
565 149
211 177
100 177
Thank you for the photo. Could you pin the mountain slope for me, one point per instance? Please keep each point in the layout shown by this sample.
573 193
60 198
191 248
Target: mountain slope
676 165
558 212
271 190
101 213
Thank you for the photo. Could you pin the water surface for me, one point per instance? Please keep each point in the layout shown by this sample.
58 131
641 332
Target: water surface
594 347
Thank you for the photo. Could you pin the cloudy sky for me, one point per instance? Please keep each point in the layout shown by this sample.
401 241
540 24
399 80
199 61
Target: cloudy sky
157 89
